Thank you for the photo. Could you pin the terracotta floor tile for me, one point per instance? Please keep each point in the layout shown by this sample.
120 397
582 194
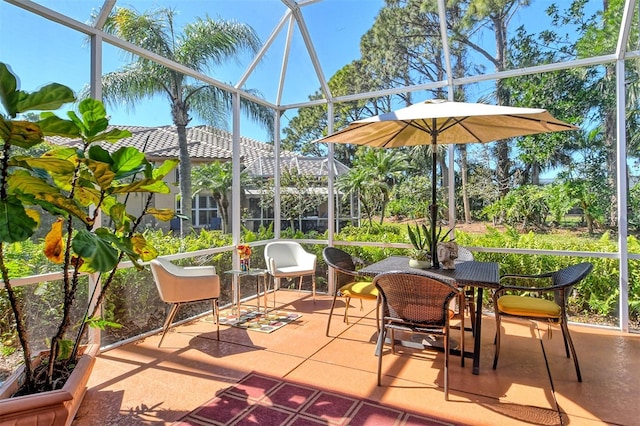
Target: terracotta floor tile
140 383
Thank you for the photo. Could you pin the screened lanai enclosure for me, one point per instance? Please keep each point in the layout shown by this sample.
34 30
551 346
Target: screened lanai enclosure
287 73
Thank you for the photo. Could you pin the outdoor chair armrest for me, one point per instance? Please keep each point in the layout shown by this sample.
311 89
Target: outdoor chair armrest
548 289
342 270
306 257
191 271
543 275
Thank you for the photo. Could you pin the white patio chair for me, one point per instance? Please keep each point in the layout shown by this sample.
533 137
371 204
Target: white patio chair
287 259
178 285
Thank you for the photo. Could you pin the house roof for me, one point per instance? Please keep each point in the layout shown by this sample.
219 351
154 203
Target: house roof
206 144
316 166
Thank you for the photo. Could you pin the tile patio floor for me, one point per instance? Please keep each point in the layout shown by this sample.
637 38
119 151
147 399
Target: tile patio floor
140 383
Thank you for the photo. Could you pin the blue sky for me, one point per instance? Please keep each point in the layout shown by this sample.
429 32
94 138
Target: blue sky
40 51
64 54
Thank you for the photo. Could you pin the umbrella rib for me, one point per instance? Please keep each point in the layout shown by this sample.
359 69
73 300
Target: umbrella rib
454 121
396 133
555 123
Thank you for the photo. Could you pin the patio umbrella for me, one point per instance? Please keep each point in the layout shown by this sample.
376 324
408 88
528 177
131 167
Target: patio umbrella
446 122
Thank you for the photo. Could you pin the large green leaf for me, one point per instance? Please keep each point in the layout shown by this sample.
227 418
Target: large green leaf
94 116
98 254
143 249
8 87
126 160
87 195
24 134
118 213
162 214
15 223
49 97
98 153
24 183
158 187
132 187
65 204
102 173
112 135
145 185
53 125
162 170
77 121
62 152
50 164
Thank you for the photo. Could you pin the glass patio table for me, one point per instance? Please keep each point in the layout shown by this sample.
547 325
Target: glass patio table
260 275
479 275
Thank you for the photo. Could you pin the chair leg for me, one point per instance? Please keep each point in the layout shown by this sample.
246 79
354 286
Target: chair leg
461 338
272 280
497 341
333 304
446 363
462 305
168 321
471 304
378 314
300 283
313 287
379 347
567 338
347 303
216 316
393 342
564 337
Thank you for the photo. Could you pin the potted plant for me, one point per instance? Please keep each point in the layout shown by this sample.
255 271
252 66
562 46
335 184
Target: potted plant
72 185
421 238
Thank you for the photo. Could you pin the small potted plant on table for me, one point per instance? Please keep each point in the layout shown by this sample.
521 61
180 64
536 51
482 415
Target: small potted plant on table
420 236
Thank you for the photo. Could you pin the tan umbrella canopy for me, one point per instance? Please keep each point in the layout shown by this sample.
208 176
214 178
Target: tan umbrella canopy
446 122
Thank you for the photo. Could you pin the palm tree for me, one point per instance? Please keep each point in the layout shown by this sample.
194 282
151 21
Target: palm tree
385 168
374 173
201 46
216 178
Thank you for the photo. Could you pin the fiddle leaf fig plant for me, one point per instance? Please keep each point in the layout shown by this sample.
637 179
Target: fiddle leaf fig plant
76 186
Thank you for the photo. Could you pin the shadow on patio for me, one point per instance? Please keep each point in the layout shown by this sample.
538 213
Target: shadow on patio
140 383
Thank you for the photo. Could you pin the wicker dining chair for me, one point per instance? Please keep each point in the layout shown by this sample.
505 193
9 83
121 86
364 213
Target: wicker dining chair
348 284
415 303
517 301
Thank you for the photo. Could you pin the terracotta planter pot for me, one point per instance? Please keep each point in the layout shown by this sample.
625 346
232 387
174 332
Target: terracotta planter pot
53 408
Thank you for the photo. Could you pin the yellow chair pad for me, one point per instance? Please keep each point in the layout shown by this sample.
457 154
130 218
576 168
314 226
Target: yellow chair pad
528 307
359 289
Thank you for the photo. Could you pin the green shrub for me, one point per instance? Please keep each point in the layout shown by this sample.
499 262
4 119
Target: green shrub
597 295
133 301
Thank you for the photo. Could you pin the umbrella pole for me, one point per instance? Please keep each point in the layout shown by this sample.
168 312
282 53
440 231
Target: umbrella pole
433 208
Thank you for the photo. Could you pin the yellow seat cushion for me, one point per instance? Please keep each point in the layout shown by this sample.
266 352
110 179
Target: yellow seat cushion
528 307
360 289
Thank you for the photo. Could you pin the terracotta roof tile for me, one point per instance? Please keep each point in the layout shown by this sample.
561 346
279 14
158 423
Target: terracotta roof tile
207 143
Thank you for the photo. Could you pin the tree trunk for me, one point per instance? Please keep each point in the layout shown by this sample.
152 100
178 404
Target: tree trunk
181 119
464 166
223 208
502 147
535 173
